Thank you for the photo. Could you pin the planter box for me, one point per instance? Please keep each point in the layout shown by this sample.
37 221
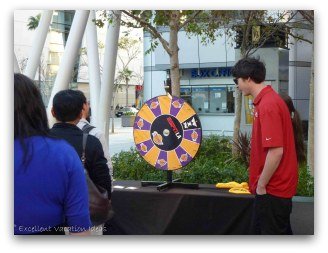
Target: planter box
302 217
128 120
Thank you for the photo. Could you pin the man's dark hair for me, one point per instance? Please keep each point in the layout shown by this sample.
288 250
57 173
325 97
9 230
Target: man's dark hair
249 67
68 104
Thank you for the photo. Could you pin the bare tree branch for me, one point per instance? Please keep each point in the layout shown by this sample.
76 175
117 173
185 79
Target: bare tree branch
308 15
152 30
191 18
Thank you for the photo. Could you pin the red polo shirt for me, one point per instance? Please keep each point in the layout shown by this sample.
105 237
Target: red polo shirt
272 127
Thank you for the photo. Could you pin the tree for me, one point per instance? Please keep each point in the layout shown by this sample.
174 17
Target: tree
270 24
251 29
125 75
175 20
33 22
244 26
129 50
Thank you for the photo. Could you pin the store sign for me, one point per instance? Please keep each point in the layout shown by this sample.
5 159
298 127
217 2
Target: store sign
211 72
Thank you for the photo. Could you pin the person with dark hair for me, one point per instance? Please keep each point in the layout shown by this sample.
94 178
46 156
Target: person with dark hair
298 130
273 169
67 109
50 189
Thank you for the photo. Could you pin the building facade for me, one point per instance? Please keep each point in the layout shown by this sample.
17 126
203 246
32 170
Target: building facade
53 52
207 85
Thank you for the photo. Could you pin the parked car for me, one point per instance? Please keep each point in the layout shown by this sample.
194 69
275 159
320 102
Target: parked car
126 109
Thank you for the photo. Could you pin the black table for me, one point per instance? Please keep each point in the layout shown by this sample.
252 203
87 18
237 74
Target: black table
207 210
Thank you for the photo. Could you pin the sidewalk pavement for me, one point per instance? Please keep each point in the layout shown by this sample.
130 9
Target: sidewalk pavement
121 139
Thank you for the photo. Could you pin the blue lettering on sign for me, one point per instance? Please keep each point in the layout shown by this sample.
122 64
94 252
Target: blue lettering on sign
194 73
211 72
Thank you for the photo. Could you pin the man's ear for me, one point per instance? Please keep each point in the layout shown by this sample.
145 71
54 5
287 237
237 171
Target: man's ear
84 106
81 114
53 112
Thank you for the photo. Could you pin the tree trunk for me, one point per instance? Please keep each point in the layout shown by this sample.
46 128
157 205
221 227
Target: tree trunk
238 106
239 95
127 92
310 150
237 121
174 56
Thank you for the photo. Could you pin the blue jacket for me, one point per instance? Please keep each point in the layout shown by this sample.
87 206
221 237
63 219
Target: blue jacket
51 189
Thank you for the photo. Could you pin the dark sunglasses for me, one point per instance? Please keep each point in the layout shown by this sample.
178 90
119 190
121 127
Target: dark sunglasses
236 81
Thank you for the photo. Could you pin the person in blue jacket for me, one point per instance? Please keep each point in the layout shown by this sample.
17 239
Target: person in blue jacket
50 188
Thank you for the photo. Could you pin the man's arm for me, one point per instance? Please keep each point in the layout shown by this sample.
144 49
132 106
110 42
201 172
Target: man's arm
272 162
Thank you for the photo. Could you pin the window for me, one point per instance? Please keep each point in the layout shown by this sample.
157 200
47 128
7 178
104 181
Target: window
54 58
231 99
210 98
218 99
200 100
185 94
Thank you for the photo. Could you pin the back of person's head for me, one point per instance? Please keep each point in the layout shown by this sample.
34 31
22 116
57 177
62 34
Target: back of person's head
30 116
68 105
297 127
249 67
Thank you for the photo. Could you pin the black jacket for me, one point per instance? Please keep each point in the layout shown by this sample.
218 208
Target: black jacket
96 163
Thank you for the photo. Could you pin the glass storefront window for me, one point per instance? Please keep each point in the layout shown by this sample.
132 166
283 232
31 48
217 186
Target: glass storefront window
210 98
218 99
200 99
185 94
230 99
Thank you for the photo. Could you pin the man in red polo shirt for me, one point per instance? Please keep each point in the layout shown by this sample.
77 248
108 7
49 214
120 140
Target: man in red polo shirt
273 170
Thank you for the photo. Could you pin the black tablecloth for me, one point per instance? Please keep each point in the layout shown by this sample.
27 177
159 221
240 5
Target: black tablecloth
207 210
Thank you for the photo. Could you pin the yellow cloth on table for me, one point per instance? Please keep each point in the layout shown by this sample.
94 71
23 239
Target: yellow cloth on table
232 184
238 188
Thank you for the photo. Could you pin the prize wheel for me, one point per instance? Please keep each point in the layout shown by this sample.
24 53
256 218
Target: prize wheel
167 132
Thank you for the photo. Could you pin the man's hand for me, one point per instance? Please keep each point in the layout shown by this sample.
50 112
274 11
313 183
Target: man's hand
260 190
271 164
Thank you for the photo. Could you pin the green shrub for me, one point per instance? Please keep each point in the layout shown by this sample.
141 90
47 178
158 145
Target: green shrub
243 147
129 113
129 165
305 185
213 164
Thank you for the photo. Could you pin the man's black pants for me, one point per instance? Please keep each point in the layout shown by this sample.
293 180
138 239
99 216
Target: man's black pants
271 215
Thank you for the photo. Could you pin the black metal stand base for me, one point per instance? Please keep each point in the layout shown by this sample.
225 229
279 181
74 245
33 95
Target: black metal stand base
169 184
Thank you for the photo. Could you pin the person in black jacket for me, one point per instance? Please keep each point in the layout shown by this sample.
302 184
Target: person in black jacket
67 109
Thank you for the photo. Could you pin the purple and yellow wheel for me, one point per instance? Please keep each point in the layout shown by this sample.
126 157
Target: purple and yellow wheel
167 132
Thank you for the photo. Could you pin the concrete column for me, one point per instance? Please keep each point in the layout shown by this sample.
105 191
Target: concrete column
38 44
73 45
148 75
106 93
93 67
16 66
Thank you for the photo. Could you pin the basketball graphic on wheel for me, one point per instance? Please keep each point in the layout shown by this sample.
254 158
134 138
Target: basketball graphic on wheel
167 132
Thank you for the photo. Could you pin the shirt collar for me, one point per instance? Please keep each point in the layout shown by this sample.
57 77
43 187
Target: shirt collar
84 120
65 125
264 91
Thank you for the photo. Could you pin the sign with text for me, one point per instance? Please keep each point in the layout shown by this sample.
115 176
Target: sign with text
211 72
